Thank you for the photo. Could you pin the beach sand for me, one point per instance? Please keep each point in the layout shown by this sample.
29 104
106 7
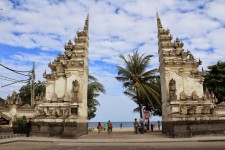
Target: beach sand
122 130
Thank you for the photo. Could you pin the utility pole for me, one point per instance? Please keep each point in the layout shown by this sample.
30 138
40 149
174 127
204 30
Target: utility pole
32 85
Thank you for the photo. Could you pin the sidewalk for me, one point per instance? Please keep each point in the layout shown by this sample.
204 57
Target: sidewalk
117 137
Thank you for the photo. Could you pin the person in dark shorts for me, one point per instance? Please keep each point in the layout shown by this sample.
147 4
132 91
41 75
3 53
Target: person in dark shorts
136 126
109 127
99 127
28 127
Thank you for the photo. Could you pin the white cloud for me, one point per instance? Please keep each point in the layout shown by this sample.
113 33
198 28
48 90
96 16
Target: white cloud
45 26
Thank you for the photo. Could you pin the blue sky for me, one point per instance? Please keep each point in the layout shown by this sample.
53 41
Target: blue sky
32 30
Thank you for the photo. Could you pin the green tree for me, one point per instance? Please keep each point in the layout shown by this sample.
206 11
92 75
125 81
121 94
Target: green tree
215 80
139 82
156 110
94 87
2 102
19 126
25 91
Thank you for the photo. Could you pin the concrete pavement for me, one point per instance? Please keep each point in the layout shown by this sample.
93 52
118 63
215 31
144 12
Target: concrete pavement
118 137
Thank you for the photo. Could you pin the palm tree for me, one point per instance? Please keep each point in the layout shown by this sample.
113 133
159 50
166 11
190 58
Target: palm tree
138 81
94 87
156 110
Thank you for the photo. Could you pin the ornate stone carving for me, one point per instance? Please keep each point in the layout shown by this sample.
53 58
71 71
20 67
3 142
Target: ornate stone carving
183 110
191 110
65 93
194 95
14 99
172 89
54 97
75 90
40 112
183 96
46 111
60 68
66 112
40 98
58 111
198 110
66 97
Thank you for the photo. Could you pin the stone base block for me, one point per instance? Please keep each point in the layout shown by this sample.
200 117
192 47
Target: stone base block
59 129
179 129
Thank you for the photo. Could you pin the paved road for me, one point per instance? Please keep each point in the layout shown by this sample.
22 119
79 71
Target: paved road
113 146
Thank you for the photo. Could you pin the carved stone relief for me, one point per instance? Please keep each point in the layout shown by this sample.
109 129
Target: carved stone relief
198 110
75 90
183 96
14 99
194 95
40 112
191 110
66 97
205 110
183 110
54 97
172 90
66 112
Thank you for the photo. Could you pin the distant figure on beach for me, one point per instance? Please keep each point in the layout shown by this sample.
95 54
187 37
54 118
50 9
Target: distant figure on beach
145 128
104 127
109 127
141 126
152 126
99 127
121 125
136 126
159 125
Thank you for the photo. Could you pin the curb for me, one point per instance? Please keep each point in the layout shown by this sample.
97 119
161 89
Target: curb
108 141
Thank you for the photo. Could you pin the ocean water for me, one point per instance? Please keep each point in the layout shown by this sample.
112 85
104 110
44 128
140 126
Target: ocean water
117 124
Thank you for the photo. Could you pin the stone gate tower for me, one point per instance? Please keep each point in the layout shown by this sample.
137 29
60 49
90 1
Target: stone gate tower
63 110
186 108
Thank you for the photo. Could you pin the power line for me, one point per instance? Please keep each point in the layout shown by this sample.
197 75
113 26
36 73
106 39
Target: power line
8 78
14 81
20 81
16 71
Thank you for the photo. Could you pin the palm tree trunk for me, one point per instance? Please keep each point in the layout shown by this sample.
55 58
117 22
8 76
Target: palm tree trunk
140 107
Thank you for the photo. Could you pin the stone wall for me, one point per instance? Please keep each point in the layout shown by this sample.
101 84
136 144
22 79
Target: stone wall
59 129
179 129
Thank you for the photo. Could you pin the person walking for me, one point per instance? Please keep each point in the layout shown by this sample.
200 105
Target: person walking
109 127
121 125
152 126
159 125
136 126
99 127
28 127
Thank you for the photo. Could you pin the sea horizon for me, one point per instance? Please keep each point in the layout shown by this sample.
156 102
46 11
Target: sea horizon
125 124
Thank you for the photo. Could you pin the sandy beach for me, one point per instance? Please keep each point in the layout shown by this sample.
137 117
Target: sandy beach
116 130
122 130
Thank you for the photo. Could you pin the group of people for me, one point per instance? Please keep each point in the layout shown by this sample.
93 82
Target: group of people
107 127
142 127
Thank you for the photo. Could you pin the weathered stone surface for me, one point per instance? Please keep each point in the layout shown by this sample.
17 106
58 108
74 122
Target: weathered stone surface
64 112
191 128
186 107
59 129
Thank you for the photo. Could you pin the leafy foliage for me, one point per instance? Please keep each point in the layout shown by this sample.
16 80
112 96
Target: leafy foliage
2 102
140 84
94 87
215 80
19 126
25 91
